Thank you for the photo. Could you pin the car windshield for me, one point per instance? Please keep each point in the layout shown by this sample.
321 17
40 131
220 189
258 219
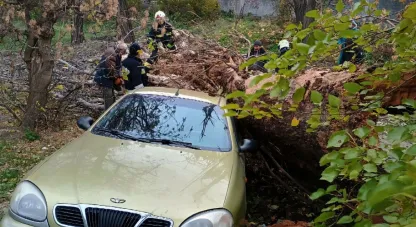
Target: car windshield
157 118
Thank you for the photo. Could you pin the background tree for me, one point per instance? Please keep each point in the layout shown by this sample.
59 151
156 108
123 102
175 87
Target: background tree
39 53
124 23
77 35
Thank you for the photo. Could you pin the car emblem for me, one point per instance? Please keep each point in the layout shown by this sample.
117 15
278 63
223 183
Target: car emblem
116 200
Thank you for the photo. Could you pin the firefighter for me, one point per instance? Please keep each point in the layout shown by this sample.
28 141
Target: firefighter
283 47
134 69
160 34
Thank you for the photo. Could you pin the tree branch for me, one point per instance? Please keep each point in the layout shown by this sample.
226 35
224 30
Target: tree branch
12 112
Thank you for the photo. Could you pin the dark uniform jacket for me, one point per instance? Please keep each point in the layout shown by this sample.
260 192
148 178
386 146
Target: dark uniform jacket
157 33
106 71
257 53
137 72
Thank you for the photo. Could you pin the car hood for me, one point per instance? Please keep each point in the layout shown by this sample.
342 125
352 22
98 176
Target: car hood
172 182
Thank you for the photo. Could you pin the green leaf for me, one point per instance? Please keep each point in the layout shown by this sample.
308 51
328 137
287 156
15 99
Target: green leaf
348 34
411 150
370 167
329 174
319 35
231 106
384 191
365 189
345 220
231 113
317 194
352 154
355 168
313 14
337 139
364 223
324 216
342 26
352 68
334 101
291 27
257 79
340 6
392 166
372 154
331 188
397 134
316 97
235 94
298 95
409 102
362 132
410 12
390 219
302 48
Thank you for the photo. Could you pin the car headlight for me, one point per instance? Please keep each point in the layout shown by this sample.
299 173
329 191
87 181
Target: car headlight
28 202
212 218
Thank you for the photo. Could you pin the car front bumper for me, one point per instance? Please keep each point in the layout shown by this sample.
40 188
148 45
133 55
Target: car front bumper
8 221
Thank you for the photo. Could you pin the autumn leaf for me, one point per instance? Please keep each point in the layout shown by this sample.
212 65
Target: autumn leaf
295 122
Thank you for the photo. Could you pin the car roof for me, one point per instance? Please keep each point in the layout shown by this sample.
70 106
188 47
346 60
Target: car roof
182 93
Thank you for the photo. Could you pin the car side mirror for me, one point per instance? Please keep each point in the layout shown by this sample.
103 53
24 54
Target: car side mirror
85 122
249 146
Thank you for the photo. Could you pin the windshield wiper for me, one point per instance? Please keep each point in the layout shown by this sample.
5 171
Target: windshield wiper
122 135
175 142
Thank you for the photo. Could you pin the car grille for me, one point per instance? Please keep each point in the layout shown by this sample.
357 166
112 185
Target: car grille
97 216
153 222
69 216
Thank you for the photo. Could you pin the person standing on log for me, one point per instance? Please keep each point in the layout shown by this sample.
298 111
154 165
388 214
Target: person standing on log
134 71
106 76
160 33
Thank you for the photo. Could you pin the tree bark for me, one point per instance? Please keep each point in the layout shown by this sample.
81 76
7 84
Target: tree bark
77 35
39 60
301 7
124 25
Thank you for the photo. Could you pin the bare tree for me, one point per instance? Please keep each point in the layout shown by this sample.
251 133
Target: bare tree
39 54
301 7
77 35
124 25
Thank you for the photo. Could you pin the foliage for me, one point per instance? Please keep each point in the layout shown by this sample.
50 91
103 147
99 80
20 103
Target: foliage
378 160
185 10
31 135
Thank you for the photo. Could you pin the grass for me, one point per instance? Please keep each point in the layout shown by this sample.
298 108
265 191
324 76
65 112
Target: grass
19 155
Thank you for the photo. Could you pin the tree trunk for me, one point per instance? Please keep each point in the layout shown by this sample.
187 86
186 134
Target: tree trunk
40 62
124 25
77 35
301 7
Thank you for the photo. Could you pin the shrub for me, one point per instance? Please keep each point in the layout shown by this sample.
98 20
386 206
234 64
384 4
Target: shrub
31 135
185 10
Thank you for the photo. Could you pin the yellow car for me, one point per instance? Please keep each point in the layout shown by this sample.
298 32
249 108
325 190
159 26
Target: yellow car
158 157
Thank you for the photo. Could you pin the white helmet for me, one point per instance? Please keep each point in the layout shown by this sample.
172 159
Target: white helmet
284 43
159 14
